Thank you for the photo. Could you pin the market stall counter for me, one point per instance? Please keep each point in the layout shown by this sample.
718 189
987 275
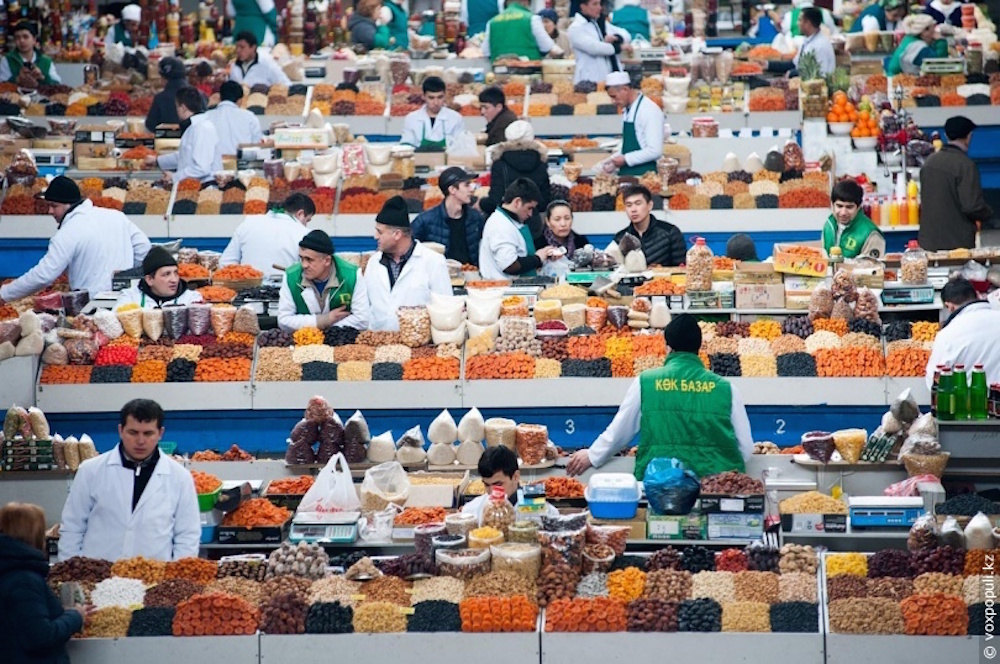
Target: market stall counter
165 650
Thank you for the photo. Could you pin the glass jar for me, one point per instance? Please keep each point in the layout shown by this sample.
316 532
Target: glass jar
666 168
699 266
913 265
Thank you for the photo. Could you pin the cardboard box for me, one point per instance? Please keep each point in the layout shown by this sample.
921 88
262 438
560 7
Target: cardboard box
53 143
476 163
437 495
813 264
14 145
302 138
637 526
93 150
266 535
735 526
730 503
760 296
589 158
798 291
430 160
756 273
97 163
668 527
814 523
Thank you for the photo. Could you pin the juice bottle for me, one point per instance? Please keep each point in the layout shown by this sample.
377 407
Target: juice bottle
913 207
934 389
885 212
960 390
945 396
903 212
978 393
894 213
876 212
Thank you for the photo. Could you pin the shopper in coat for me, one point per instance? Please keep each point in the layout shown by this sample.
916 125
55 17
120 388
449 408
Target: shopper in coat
198 156
455 223
969 336
559 231
132 501
919 43
34 626
258 17
550 21
265 240
951 194
521 156
366 29
161 285
396 19
680 410
642 128
493 107
596 43
662 242
320 290
164 107
252 67
402 273
90 243
508 248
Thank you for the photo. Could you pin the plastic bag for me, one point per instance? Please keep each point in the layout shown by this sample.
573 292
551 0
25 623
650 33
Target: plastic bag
7 350
979 533
618 316
925 425
614 536
333 490
12 423
563 546
246 321
39 423
29 323
925 464
382 448
301 441
131 320
820 303
410 447
850 442
530 441
383 485
55 354
81 351
72 452
74 302
908 487
501 431
152 323
10 330
49 302
484 311
441 454
199 318
629 243
952 534
558 268
331 439
469 452
818 445
318 410
414 326
906 410
923 534
462 144
472 427
670 489
223 316
842 309
108 323
412 438
59 452
443 430
890 425
920 444
32 344
356 437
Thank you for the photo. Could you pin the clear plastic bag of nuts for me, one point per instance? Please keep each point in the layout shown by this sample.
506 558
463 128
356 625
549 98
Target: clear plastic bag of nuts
531 441
414 326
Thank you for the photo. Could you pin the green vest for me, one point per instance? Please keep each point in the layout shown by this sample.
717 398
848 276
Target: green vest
43 62
480 13
510 34
121 37
634 20
347 276
250 17
852 238
875 9
686 413
397 27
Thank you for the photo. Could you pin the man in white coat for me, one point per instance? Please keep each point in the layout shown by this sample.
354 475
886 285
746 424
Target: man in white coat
642 128
321 290
969 336
252 67
430 127
265 240
499 472
402 273
160 285
596 43
199 156
507 249
235 126
132 501
90 243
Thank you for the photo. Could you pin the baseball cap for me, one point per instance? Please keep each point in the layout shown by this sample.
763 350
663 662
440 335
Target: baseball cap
452 176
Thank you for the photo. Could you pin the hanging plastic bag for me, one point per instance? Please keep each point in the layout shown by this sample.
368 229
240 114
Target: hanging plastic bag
670 488
333 490
383 485
472 426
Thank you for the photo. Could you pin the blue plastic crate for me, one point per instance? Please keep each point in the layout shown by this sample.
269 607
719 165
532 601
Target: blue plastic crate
613 509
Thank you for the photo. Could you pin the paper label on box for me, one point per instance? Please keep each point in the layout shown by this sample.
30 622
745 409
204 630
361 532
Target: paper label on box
731 504
97 136
665 527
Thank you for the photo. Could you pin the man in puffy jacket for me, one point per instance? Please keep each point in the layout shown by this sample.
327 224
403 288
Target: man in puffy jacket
455 223
521 156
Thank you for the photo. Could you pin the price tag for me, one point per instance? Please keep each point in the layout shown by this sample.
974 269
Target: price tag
407 611
358 598
731 504
97 137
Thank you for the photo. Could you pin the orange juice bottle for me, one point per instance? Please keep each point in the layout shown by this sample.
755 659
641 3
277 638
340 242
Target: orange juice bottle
904 214
885 211
894 212
913 208
876 213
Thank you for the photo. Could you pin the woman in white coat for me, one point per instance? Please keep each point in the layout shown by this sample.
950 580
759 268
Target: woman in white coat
402 273
596 43
132 501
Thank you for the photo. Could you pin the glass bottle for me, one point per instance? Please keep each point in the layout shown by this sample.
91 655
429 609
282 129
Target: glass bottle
978 393
498 512
945 396
960 390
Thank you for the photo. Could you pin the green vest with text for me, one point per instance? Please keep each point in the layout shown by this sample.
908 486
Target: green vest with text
634 20
347 276
686 413
852 238
43 62
510 34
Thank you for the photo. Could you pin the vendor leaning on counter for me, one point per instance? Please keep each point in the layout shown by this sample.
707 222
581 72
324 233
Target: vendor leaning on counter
161 285
234 126
596 43
680 410
498 467
198 156
26 58
402 273
455 223
969 336
662 242
508 248
516 31
880 16
252 67
559 231
848 227
132 501
919 43
493 107
126 30
429 127
642 128
320 290
90 243
263 241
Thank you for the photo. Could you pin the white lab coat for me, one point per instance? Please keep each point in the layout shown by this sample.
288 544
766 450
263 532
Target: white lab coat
92 243
135 296
234 126
290 320
264 70
501 246
424 273
591 51
417 125
545 43
265 240
199 156
970 338
648 119
98 520
476 505
820 46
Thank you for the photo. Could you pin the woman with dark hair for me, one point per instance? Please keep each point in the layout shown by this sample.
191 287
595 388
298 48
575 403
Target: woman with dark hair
558 231
34 626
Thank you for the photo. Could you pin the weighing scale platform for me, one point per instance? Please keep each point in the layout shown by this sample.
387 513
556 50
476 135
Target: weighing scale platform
323 527
885 511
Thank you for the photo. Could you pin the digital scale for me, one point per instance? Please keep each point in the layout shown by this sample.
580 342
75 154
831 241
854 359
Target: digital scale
942 66
885 511
330 527
897 293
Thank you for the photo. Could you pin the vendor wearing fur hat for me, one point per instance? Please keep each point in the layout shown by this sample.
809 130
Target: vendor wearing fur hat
681 410
126 30
320 290
521 156
160 284
402 273
920 42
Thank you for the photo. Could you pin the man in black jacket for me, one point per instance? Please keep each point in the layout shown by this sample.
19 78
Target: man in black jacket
951 195
493 107
662 242
164 108
455 223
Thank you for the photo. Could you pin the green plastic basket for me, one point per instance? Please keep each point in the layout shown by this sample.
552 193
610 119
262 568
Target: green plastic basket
206 501
168 448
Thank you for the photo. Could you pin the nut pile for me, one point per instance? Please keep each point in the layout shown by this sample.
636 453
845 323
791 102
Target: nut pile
79 568
284 614
557 581
652 615
746 617
731 482
118 591
107 623
197 570
797 558
306 560
719 586
866 616
756 587
171 592
379 617
145 569
668 585
255 570
797 587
